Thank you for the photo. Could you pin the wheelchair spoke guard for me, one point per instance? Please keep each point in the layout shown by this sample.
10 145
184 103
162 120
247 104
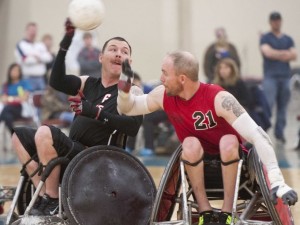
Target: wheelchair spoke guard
106 185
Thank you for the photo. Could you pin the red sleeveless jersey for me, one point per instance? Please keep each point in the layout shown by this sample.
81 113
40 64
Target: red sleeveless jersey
197 117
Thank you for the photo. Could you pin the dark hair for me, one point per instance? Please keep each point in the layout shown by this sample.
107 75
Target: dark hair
11 66
275 16
136 76
118 39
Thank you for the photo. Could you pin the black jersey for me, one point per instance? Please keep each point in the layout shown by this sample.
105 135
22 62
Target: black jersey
89 131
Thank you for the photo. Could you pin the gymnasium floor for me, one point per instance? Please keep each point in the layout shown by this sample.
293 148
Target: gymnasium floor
288 158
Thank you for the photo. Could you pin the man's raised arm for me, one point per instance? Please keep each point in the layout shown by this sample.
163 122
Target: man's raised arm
131 104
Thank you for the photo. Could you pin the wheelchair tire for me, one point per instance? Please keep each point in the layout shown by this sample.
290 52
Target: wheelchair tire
280 213
168 189
106 185
25 195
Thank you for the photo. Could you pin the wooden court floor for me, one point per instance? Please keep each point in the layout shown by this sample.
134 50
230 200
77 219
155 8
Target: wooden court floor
9 175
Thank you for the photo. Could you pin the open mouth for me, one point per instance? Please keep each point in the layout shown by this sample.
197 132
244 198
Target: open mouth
117 62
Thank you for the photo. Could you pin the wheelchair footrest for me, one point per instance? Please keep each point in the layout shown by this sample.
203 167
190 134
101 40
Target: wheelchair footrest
177 222
254 222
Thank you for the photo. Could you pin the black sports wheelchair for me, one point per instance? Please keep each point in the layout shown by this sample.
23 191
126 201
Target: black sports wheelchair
100 185
175 201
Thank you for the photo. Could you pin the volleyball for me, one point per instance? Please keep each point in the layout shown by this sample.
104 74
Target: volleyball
86 14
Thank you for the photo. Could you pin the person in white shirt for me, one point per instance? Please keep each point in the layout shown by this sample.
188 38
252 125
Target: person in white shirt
33 57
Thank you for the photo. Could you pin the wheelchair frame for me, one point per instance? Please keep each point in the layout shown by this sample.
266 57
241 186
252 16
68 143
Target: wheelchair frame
24 195
253 204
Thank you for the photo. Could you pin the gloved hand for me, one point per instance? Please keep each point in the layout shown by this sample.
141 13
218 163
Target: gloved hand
126 77
82 106
287 194
69 33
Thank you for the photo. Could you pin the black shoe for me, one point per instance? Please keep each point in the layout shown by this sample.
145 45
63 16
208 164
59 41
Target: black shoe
37 203
206 217
225 218
47 207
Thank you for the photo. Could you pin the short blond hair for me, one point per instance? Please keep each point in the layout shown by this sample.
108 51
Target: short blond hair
185 63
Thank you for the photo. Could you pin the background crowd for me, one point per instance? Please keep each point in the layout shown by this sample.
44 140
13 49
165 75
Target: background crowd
266 100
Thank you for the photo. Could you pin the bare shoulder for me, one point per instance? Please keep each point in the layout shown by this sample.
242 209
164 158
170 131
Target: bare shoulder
227 106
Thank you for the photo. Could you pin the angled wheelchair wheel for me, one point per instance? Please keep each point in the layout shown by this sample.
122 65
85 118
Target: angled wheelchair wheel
106 185
280 214
254 205
168 190
25 195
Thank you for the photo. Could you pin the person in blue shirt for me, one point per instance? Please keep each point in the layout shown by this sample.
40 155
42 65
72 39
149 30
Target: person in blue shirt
278 50
14 91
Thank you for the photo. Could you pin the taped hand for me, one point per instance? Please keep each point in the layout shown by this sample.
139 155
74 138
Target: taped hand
82 106
126 77
287 194
69 33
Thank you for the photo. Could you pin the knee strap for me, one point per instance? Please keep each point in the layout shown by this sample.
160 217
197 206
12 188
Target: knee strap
229 162
194 163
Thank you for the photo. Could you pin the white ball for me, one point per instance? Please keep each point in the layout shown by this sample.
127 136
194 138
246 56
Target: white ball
86 14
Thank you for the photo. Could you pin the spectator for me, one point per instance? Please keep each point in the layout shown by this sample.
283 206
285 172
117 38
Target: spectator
221 48
33 57
14 92
227 75
88 57
250 96
56 106
278 50
47 39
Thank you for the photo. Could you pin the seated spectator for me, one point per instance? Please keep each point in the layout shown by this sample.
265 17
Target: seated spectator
88 57
14 92
55 105
227 76
251 96
218 50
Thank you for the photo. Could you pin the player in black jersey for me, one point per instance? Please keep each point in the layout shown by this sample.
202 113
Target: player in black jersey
96 117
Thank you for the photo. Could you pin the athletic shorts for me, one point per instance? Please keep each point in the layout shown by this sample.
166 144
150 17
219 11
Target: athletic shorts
213 169
63 145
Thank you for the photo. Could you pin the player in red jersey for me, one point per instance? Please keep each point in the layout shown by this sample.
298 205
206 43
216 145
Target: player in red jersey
208 121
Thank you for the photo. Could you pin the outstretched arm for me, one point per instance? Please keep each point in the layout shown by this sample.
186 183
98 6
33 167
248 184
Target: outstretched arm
131 104
230 109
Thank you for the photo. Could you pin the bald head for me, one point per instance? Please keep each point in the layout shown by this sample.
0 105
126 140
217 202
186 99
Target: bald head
185 63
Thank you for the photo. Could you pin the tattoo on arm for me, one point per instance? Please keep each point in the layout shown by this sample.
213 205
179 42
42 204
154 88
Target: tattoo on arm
230 103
